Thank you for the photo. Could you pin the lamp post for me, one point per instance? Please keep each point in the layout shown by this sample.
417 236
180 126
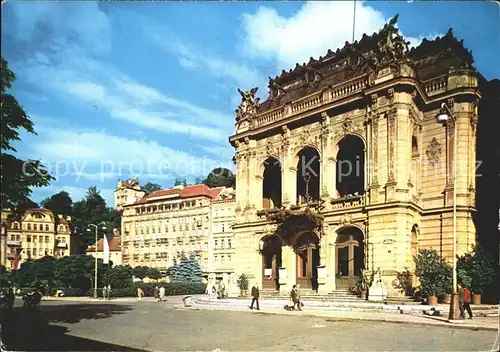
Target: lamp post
444 116
96 227
307 178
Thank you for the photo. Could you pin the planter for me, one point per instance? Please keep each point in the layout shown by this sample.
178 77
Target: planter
447 298
363 294
476 298
243 293
432 300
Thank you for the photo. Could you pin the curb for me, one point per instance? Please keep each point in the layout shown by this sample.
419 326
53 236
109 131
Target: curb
335 319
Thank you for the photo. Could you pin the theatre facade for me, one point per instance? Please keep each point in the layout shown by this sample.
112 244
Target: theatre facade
345 167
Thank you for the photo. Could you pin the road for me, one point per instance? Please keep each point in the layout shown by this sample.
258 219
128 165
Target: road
150 326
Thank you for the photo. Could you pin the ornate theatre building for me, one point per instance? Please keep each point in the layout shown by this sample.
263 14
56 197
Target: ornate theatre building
345 167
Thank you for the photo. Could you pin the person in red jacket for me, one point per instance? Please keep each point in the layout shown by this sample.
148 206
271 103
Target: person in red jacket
466 303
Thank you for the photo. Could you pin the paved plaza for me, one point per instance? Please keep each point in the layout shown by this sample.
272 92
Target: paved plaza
149 326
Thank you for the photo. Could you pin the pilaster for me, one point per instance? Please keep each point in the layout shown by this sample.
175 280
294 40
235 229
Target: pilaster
289 262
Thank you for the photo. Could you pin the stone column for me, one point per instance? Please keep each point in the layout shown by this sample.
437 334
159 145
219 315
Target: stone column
289 262
325 269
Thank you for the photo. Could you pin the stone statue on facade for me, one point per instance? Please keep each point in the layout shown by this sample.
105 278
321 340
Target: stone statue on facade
390 48
275 90
249 104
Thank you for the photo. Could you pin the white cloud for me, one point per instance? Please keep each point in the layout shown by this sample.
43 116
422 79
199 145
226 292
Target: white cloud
191 58
120 97
310 32
98 155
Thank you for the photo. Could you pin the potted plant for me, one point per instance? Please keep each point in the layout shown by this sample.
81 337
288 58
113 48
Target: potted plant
404 282
243 285
434 274
479 267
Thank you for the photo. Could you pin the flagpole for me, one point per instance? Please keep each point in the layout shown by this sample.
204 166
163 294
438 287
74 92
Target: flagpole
354 21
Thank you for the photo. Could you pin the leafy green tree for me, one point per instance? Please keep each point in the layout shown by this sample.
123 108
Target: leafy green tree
220 177
140 272
26 274
478 267
434 272
59 203
77 272
18 176
153 273
120 276
151 187
92 209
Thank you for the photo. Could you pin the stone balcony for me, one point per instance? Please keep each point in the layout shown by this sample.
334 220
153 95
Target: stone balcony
13 243
348 202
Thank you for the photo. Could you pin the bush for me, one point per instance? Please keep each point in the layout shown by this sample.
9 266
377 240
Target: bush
478 267
434 273
404 283
72 292
171 289
243 282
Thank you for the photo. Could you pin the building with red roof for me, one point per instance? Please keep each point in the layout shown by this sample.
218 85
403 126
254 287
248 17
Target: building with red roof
158 227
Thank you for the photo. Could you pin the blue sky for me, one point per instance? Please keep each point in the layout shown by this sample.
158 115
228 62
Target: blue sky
148 89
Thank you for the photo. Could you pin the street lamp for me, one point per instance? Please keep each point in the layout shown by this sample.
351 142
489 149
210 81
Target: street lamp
444 116
307 178
95 244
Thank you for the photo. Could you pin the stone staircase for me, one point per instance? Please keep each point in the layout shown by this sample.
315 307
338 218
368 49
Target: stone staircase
341 295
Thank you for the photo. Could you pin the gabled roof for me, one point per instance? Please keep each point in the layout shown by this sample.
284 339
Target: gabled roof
114 245
187 192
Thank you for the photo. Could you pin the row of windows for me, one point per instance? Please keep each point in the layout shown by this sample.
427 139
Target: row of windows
38 227
168 207
36 239
223 259
223 243
158 236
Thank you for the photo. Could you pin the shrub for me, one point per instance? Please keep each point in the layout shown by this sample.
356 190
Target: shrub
171 289
243 282
478 266
434 273
404 283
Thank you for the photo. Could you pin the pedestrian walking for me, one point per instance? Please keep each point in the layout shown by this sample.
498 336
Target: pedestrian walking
222 289
104 289
109 291
162 293
156 294
295 297
255 296
140 293
210 290
466 303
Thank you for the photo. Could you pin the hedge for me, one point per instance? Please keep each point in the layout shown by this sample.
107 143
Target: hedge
171 289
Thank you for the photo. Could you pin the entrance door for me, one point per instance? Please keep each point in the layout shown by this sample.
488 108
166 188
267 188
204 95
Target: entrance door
307 266
270 273
350 257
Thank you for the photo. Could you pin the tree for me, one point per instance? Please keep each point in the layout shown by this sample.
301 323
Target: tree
220 177
478 268
59 203
187 270
434 272
196 274
140 272
120 276
18 176
151 187
92 209
153 273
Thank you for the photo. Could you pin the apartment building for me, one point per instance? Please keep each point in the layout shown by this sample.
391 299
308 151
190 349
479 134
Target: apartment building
157 227
221 246
35 234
